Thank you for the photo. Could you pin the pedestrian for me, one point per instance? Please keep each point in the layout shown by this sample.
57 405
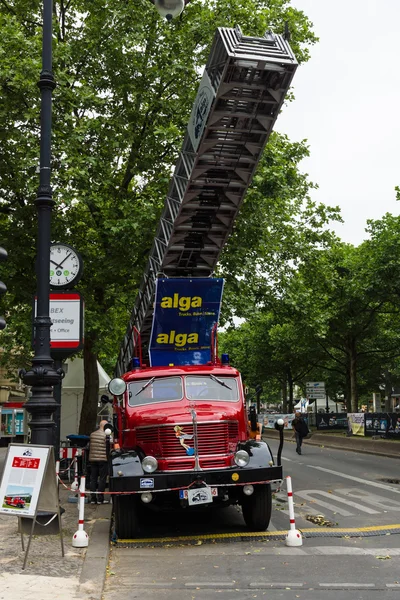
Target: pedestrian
300 429
98 464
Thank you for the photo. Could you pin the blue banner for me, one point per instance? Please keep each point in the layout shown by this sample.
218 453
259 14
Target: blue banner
185 313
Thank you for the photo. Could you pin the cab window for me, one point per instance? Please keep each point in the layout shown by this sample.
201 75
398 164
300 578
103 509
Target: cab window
210 387
160 389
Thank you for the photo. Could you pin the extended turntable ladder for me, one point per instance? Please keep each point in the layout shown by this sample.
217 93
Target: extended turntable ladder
245 83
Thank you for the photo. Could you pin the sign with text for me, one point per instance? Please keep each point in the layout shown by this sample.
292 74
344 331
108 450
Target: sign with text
269 421
331 421
356 424
185 313
200 110
386 424
315 390
66 314
22 479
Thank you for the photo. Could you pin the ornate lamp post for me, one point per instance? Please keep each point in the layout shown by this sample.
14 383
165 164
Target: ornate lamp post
42 376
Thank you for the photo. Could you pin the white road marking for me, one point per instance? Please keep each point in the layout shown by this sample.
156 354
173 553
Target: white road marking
267 584
209 584
309 495
347 585
377 501
381 486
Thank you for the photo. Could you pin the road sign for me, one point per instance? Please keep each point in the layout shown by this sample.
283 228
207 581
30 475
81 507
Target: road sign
315 385
315 390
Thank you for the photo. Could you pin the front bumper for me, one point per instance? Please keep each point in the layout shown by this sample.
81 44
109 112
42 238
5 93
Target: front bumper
158 482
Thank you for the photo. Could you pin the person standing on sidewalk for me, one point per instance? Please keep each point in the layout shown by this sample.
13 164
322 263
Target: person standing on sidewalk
98 461
300 429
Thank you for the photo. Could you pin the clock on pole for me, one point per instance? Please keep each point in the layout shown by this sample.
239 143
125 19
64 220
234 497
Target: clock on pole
65 266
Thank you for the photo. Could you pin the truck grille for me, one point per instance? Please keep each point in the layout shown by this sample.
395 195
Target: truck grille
214 438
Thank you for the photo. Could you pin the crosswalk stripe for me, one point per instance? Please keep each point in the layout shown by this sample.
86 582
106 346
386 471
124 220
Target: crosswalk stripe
381 486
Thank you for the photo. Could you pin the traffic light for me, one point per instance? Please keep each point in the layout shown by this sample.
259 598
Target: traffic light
3 287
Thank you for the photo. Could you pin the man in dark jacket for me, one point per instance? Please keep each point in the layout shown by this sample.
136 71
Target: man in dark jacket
300 429
98 463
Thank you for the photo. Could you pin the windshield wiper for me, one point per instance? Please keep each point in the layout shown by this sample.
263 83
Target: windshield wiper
220 381
145 386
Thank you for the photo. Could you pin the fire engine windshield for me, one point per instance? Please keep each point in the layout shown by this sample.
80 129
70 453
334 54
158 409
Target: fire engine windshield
209 387
160 389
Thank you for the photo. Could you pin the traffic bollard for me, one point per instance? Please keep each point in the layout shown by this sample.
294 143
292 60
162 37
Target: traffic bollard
293 537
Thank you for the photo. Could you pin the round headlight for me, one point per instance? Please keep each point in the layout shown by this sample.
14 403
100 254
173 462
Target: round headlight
117 386
280 422
149 464
242 458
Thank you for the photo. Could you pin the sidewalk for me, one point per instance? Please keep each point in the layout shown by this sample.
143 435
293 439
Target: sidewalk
48 576
366 445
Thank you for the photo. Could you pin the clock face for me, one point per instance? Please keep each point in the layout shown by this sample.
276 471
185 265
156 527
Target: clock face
65 266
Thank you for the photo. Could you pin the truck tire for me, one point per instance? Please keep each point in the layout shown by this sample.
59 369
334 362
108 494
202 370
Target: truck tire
257 508
125 517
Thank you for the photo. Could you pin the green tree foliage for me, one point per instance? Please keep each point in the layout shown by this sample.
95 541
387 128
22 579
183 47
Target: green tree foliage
126 83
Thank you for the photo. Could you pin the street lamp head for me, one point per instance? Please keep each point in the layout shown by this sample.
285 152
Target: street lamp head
170 8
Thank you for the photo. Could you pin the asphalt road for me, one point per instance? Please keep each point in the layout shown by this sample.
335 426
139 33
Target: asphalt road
344 487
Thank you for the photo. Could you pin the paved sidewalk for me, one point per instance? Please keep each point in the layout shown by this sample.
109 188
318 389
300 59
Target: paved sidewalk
48 576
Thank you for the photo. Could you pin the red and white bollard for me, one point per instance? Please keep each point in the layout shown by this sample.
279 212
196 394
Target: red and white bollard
293 537
75 483
80 538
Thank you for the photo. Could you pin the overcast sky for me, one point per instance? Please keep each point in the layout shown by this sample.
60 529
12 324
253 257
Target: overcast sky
347 107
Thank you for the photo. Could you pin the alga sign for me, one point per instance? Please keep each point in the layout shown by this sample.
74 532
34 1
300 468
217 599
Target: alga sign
185 313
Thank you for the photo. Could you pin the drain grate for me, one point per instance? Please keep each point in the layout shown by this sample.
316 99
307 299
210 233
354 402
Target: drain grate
390 480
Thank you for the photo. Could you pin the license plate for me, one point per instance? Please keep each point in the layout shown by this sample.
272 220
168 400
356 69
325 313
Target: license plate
198 496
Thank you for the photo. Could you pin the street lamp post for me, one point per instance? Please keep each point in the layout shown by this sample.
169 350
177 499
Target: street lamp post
42 376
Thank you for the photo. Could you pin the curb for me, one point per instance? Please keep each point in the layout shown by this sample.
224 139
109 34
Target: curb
94 569
194 540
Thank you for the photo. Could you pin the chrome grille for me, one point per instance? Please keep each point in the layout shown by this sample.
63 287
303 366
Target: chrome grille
214 438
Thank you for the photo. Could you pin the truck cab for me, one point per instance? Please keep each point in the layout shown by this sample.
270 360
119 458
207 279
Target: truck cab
182 438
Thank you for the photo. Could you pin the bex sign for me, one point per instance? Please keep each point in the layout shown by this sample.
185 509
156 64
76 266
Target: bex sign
66 313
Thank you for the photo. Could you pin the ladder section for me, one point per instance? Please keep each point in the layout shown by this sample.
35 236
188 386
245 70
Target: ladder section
240 95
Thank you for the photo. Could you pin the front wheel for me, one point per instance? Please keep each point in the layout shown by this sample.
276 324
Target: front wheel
126 516
257 508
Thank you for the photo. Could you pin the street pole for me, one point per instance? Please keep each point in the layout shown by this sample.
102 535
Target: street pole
42 376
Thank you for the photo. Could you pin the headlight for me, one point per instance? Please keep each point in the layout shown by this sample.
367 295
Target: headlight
117 386
149 464
242 458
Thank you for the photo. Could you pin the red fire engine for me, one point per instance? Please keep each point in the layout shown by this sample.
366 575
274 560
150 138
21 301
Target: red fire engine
184 441
183 430
15 501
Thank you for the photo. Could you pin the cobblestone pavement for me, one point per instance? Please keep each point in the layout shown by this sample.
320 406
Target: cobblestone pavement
47 574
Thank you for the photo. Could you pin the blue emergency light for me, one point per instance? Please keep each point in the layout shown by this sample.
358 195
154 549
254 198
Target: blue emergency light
225 359
135 363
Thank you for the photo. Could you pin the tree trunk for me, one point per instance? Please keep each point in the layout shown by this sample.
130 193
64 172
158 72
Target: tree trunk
353 376
290 381
388 390
91 390
284 397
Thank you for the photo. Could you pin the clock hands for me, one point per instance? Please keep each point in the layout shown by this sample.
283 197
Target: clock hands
62 262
